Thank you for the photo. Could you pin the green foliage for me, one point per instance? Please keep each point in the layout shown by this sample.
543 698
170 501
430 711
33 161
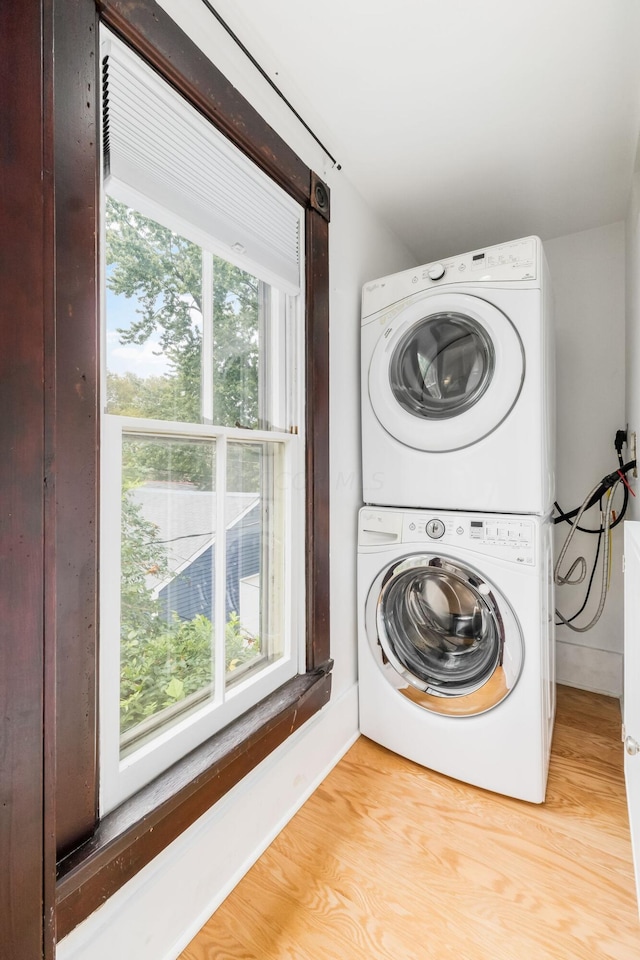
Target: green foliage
239 647
157 398
168 461
164 664
235 346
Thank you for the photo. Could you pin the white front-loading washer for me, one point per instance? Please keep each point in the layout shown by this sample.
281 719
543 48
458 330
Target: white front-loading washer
456 643
458 384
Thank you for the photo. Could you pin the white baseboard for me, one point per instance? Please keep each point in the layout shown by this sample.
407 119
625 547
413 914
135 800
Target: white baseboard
589 669
157 913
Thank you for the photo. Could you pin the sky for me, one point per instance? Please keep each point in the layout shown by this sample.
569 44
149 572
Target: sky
145 359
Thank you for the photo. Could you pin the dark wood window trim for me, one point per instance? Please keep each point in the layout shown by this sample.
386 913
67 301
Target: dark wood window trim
129 837
97 857
27 291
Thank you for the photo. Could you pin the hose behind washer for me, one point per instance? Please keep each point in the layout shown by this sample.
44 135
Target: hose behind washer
582 563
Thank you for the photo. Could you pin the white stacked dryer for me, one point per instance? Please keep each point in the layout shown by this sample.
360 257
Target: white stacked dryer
458 384
455 579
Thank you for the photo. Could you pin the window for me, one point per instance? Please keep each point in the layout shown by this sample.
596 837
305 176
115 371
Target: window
202 527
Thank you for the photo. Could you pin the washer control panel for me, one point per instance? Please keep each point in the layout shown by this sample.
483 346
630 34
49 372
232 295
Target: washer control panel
510 538
501 530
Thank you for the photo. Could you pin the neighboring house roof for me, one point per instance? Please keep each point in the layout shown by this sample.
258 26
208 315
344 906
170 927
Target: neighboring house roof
186 518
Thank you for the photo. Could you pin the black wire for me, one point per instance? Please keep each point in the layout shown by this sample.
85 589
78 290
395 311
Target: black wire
560 623
606 484
619 518
266 76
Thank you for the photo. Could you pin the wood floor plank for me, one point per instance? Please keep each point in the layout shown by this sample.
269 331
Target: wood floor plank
389 861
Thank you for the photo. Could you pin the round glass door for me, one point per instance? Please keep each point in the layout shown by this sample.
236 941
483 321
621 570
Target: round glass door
450 640
441 366
445 372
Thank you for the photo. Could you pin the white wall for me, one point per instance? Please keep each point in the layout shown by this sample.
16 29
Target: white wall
154 915
587 271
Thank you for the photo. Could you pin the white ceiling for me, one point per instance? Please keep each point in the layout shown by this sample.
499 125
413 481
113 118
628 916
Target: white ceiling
463 123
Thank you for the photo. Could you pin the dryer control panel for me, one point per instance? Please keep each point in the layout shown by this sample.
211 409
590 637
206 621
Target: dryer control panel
509 261
517 262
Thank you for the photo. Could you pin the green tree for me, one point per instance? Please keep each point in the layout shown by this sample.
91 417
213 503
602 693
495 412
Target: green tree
155 397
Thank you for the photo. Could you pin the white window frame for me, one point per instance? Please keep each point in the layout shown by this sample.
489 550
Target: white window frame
121 778
285 352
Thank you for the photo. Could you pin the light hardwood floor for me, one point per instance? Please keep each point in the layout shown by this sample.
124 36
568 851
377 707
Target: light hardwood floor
388 861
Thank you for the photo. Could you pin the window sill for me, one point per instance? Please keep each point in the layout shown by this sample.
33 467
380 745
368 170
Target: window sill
132 835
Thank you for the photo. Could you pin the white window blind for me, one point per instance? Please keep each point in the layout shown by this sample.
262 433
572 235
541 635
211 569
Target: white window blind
174 159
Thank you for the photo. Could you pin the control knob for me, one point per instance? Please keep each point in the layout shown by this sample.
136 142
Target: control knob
436 271
435 529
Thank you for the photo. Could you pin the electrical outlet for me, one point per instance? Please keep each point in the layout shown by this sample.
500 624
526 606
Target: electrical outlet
633 450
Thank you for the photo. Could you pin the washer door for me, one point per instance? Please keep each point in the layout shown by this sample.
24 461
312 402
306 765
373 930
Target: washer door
446 372
443 635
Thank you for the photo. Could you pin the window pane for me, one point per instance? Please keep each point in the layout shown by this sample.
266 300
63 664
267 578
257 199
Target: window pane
166 300
235 349
154 318
254 631
167 602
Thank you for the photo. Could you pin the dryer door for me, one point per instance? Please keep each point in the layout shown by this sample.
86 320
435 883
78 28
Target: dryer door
443 635
446 372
